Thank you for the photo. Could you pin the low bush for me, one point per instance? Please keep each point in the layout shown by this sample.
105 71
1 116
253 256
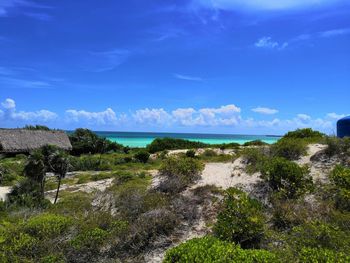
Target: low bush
321 235
191 153
161 144
91 239
340 176
45 226
287 178
178 173
142 156
255 159
241 219
255 143
320 255
291 149
209 249
306 133
337 146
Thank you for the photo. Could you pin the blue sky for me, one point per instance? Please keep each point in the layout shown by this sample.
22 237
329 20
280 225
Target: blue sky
212 66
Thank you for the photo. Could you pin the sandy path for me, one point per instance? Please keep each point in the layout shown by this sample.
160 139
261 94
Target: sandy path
227 175
318 171
89 187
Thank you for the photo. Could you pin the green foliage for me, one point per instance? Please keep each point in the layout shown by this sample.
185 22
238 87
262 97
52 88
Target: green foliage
287 178
337 146
90 239
241 219
191 153
255 159
161 144
27 193
85 141
37 127
210 249
340 176
11 170
320 235
209 153
306 133
46 225
289 148
142 156
179 172
255 143
319 255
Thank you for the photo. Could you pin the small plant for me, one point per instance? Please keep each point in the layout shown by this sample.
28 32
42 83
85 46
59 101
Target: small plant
306 133
179 172
142 156
191 154
340 177
255 143
241 219
291 149
209 249
287 178
47 225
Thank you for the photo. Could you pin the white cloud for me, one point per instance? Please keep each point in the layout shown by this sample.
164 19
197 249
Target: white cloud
10 113
336 116
335 32
107 60
7 5
256 5
186 77
99 118
264 110
268 43
304 117
152 116
8 104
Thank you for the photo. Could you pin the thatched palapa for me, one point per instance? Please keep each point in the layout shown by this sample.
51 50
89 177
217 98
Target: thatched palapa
23 140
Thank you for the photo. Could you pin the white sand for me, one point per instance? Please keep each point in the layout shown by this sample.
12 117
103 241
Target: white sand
227 175
4 190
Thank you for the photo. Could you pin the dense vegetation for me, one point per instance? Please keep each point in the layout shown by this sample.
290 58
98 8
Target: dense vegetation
85 141
161 144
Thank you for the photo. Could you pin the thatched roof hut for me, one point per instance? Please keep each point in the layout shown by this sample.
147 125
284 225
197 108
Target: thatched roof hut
23 140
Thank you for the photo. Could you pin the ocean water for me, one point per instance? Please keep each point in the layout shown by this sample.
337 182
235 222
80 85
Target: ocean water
142 139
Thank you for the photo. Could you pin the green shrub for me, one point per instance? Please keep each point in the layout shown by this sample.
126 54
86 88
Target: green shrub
255 143
142 156
85 141
91 239
47 225
319 255
287 178
320 235
179 172
291 149
210 249
241 219
209 153
340 176
191 153
161 144
306 133
255 159
337 146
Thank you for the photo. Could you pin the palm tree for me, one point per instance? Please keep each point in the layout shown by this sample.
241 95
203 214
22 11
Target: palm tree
35 169
59 164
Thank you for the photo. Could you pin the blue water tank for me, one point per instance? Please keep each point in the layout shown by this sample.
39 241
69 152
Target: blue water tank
343 127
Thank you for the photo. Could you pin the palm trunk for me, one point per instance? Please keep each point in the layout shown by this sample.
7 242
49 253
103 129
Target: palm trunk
58 189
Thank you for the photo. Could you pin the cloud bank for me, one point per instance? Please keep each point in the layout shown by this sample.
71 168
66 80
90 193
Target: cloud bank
229 116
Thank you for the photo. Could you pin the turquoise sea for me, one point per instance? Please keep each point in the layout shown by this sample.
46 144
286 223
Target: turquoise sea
142 139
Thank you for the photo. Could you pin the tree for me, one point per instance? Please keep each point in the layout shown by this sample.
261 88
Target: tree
60 166
35 170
